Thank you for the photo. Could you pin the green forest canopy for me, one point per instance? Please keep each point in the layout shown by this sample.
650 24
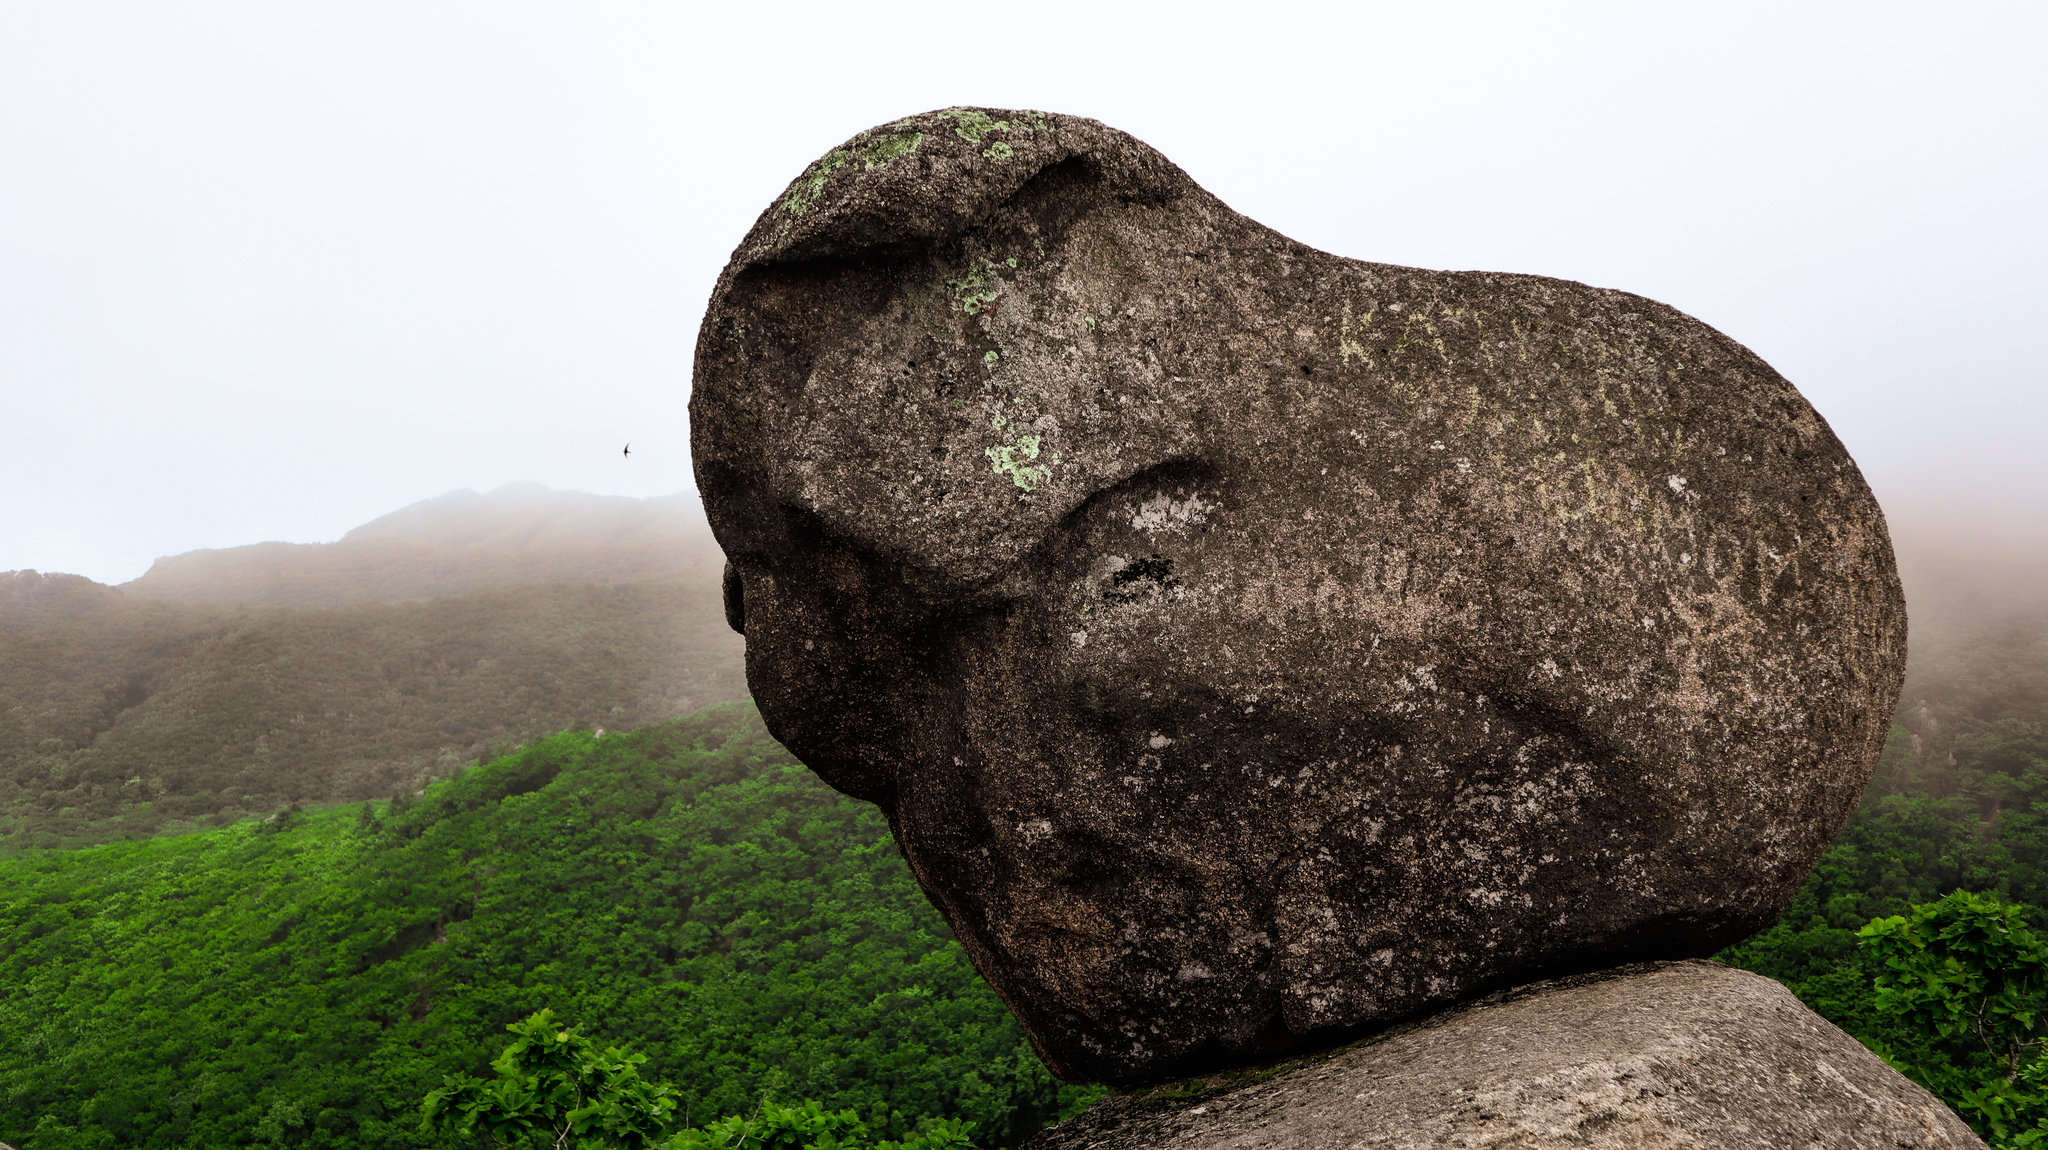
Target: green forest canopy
687 891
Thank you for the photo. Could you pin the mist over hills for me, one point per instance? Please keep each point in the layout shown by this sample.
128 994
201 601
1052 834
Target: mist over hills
460 541
231 682
1965 571
532 516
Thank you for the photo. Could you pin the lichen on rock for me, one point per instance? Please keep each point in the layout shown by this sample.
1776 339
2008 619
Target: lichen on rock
1252 646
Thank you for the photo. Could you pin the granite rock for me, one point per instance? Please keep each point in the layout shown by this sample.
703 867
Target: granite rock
1687 1055
1252 646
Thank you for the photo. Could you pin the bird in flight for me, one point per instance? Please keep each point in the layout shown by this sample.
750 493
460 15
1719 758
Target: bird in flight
628 451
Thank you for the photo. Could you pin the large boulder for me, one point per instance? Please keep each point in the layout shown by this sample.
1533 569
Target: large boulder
1251 645
1685 1056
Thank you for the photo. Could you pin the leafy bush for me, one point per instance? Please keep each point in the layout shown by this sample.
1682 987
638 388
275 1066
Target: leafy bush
1969 978
809 1126
553 1087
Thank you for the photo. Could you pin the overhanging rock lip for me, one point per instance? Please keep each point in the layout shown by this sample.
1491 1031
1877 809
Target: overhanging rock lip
927 177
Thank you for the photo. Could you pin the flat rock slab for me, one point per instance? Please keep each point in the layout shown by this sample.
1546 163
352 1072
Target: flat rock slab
1251 645
1680 1055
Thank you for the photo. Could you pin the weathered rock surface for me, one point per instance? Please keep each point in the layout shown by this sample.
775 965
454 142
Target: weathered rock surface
1251 645
1679 1055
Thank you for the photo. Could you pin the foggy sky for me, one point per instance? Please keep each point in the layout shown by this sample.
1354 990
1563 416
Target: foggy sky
268 271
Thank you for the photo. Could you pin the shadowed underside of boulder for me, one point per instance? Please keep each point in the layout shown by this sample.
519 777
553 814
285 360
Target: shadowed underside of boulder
1688 1055
1251 645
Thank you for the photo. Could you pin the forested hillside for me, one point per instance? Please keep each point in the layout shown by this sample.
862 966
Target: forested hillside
122 717
226 683
687 890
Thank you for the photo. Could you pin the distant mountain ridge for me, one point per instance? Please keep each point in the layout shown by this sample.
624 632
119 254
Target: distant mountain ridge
531 516
225 683
456 542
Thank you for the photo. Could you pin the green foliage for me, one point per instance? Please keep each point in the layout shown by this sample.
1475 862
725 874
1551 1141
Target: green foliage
1967 977
555 1088
687 890
1964 967
811 1127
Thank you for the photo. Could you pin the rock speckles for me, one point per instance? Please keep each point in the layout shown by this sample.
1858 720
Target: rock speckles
1250 645
1684 1056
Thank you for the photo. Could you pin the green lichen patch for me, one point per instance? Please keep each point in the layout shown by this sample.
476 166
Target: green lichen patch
978 288
1347 339
735 335
1018 458
972 125
884 148
869 153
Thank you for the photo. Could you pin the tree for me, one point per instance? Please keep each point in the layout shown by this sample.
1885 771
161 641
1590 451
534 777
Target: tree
1968 971
553 1088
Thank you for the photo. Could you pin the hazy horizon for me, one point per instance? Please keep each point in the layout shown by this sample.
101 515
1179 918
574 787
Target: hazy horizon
1962 572
273 272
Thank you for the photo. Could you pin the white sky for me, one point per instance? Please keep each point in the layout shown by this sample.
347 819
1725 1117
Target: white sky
270 270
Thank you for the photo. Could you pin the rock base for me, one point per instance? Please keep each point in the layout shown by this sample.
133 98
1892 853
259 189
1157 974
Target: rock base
1680 1055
